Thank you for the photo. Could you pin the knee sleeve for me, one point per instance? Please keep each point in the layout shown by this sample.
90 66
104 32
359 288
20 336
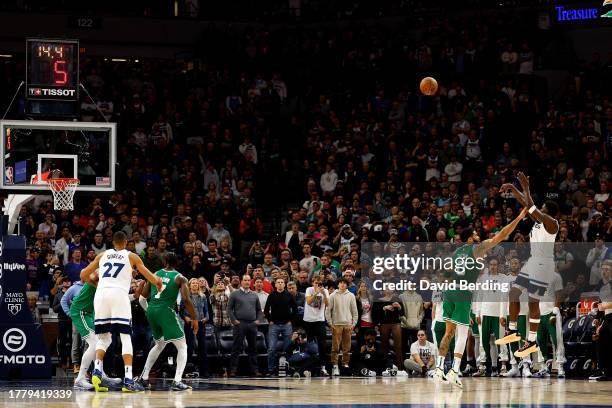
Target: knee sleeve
104 340
126 344
461 335
180 345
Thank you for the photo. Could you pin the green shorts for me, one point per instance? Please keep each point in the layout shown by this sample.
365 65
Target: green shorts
165 324
84 323
456 312
439 329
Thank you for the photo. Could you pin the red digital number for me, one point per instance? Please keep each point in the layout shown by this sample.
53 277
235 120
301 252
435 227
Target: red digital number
60 75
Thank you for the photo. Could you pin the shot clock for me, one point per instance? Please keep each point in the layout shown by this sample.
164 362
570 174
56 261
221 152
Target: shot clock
52 69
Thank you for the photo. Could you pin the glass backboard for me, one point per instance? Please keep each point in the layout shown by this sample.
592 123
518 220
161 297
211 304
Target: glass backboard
32 149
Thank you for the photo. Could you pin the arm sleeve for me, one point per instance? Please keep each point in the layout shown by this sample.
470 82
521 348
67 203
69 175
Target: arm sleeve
590 258
294 307
413 348
267 307
205 310
230 307
329 309
354 313
57 307
64 301
259 316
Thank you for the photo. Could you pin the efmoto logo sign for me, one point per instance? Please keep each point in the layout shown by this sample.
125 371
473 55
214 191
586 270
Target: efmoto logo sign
14 340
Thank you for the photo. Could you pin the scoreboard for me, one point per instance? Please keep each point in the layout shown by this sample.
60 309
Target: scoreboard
52 69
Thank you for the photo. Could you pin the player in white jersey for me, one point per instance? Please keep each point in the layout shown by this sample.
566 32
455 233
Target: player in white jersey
537 273
112 304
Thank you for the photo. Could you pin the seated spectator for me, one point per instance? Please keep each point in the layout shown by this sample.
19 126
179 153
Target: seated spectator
422 356
32 299
372 360
303 354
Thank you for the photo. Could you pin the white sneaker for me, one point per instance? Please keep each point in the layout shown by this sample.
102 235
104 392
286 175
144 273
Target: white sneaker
453 378
561 373
543 373
111 380
324 371
336 371
402 373
482 372
514 372
83 385
468 369
439 375
307 374
527 371
371 373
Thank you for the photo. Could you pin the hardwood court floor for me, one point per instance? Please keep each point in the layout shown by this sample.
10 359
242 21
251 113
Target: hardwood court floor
371 392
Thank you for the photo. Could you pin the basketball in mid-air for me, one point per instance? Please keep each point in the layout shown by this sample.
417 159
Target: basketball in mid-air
429 86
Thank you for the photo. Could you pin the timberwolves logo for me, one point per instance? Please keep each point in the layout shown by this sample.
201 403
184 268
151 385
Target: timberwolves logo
14 340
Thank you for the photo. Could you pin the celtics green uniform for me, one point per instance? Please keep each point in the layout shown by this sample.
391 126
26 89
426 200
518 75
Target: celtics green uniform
474 325
165 324
82 311
458 303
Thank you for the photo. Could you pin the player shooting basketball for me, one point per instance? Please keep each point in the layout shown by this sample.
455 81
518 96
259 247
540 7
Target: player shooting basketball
457 303
537 273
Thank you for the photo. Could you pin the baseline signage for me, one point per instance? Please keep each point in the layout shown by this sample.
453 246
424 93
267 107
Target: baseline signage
588 12
23 352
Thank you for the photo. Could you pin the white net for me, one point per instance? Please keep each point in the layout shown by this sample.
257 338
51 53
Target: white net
63 192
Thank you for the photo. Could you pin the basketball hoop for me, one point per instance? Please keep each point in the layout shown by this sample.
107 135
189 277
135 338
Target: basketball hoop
63 192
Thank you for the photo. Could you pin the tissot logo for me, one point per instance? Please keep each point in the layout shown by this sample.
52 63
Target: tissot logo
51 92
14 340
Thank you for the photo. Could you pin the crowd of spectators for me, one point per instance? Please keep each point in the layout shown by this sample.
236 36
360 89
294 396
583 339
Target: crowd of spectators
328 124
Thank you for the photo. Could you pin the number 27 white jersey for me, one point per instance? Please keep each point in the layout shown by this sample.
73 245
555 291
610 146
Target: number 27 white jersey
115 270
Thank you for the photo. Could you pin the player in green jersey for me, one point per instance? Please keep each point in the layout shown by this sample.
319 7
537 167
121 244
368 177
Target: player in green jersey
457 304
165 324
82 315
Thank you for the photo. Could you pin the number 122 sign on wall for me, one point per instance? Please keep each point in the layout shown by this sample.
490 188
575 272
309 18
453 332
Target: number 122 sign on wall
52 69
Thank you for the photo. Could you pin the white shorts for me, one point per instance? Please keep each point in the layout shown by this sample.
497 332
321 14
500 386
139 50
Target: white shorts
112 311
535 276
